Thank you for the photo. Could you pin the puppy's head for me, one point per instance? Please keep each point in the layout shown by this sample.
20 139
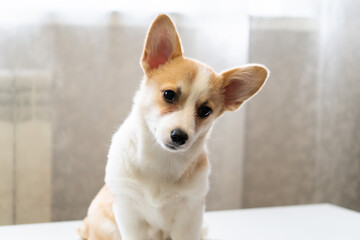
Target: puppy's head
180 97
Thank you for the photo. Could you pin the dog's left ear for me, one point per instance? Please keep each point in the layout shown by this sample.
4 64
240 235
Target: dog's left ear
240 84
162 44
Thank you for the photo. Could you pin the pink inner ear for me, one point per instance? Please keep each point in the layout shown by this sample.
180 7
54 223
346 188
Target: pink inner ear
233 92
160 53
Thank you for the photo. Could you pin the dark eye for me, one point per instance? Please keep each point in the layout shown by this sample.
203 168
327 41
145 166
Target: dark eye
204 111
170 96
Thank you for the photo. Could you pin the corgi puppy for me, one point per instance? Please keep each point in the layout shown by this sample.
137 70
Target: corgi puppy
157 172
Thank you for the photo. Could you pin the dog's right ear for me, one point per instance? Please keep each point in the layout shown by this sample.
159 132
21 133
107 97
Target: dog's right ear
162 44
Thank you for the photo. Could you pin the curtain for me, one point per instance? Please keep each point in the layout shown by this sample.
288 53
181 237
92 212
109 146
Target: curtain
302 140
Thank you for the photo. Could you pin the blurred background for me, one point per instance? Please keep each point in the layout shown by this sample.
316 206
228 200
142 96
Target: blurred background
69 70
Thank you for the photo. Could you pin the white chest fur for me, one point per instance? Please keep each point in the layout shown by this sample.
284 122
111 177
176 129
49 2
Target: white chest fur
147 181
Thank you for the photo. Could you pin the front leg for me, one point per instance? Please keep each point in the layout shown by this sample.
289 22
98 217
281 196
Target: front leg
187 225
132 225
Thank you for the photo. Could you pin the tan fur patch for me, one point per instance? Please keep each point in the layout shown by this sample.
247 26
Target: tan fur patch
100 213
106 202
176 75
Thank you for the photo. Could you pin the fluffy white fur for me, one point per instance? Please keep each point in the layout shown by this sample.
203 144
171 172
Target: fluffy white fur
156 198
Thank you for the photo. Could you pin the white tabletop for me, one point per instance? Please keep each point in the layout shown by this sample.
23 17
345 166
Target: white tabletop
305 222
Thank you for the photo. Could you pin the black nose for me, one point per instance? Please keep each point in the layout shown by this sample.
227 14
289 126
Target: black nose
178 136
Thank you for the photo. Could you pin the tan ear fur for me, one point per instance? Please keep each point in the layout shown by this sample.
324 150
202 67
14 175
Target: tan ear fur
241 83
162 44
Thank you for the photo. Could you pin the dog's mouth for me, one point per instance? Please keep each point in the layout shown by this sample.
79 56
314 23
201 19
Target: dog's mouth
172 147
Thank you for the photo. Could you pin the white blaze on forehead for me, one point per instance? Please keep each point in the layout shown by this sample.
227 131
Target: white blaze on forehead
200 86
